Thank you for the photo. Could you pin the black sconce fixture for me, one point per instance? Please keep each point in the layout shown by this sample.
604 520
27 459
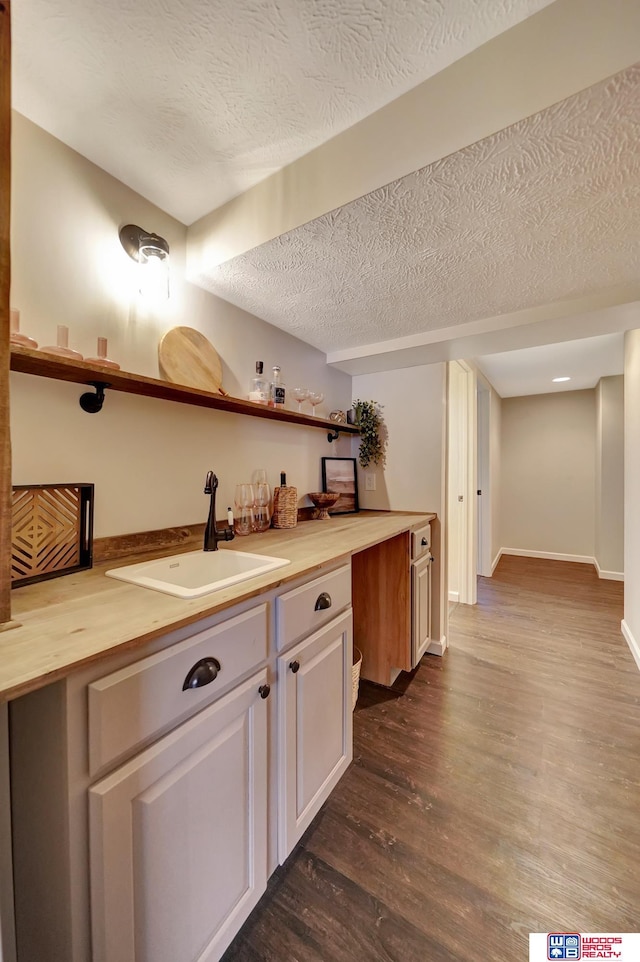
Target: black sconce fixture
152 254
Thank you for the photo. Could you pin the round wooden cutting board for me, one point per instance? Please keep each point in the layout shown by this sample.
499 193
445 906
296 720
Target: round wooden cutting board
185 356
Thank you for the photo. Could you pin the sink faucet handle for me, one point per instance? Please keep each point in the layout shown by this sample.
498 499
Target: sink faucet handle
211 483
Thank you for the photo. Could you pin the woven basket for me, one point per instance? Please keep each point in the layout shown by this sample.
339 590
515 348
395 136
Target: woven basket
285 507
355 676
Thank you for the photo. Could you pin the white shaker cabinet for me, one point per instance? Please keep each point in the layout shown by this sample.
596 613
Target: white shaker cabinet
178 837
420 593
420 608
149 810
140 799
315 721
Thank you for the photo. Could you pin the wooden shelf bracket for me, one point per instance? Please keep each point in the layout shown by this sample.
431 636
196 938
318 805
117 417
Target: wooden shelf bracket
92 403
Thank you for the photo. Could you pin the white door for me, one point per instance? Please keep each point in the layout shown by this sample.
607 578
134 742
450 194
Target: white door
484 480
315 725
461 484
178 837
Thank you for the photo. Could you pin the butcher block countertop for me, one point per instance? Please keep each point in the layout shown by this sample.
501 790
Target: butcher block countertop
77 619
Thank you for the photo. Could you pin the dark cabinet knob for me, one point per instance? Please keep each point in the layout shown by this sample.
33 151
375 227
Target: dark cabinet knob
203 673
264 691
323 601
294 666
424 542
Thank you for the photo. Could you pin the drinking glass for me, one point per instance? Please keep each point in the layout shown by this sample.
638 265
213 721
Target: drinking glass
262 509
259 476
245 500
315 398
300 394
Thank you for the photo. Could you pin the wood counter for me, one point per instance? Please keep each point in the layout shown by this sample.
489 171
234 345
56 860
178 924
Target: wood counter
71 621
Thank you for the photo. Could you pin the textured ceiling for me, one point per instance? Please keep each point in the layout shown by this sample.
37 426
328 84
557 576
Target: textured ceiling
547 209
530 371
191 102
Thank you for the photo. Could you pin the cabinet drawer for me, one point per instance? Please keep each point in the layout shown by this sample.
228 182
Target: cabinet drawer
130 706
420 541
303 610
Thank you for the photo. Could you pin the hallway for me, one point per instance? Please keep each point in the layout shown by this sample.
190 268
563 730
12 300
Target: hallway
499 795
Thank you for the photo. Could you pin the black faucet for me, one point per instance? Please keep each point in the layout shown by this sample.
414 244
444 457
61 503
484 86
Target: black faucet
211 533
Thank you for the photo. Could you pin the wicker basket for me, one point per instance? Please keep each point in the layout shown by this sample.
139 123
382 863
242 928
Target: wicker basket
355 676
285 507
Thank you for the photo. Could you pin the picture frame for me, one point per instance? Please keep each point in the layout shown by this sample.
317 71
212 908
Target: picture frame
340 476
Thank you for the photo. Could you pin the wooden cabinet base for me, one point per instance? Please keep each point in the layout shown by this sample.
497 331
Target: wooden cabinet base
382 609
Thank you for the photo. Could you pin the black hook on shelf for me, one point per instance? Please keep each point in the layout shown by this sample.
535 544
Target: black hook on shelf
92 403
333 436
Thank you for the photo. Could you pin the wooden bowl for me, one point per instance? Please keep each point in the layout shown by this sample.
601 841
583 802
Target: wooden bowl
322 501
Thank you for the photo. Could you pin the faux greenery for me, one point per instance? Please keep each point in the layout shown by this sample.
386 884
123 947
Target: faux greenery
372 434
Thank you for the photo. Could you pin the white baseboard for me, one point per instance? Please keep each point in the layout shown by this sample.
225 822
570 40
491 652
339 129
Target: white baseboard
634 647
496 560
608 575
549 555
454 597
437 647
554 556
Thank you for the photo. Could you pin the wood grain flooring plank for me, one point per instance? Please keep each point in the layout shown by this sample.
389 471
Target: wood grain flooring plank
330 918
494 791
436 900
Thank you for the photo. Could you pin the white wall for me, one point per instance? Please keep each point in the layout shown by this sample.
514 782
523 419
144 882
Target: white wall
148 458
609 481
413 479
548 444
413 408
631 623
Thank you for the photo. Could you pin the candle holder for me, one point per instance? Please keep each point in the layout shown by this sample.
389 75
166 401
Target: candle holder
61 348
102 360
15 337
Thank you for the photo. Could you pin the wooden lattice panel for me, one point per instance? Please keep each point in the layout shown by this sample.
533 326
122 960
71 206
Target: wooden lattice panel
51 530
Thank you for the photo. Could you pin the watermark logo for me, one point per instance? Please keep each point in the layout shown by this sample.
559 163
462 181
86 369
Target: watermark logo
552 946
564 945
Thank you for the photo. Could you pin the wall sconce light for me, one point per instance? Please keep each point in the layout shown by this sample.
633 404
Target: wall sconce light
152 253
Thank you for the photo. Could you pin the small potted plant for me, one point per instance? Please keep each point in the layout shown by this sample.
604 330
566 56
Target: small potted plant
368 417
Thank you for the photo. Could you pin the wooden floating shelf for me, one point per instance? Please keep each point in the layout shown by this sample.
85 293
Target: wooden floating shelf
26 361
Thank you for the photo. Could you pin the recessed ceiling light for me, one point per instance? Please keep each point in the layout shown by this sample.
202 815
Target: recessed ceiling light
556 379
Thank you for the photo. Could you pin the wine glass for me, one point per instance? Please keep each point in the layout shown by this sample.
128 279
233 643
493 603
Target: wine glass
300 394
245 500
315 398
262 512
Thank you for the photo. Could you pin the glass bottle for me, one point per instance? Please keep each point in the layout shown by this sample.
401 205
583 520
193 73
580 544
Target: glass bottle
259 386
278 389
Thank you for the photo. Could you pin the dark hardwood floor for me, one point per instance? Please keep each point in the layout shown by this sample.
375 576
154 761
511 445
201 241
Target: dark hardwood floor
494 792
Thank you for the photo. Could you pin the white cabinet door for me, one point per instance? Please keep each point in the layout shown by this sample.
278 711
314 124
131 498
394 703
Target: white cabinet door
178 837
420 608
315 725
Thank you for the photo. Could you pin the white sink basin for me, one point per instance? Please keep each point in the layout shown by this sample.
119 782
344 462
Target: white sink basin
197 573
